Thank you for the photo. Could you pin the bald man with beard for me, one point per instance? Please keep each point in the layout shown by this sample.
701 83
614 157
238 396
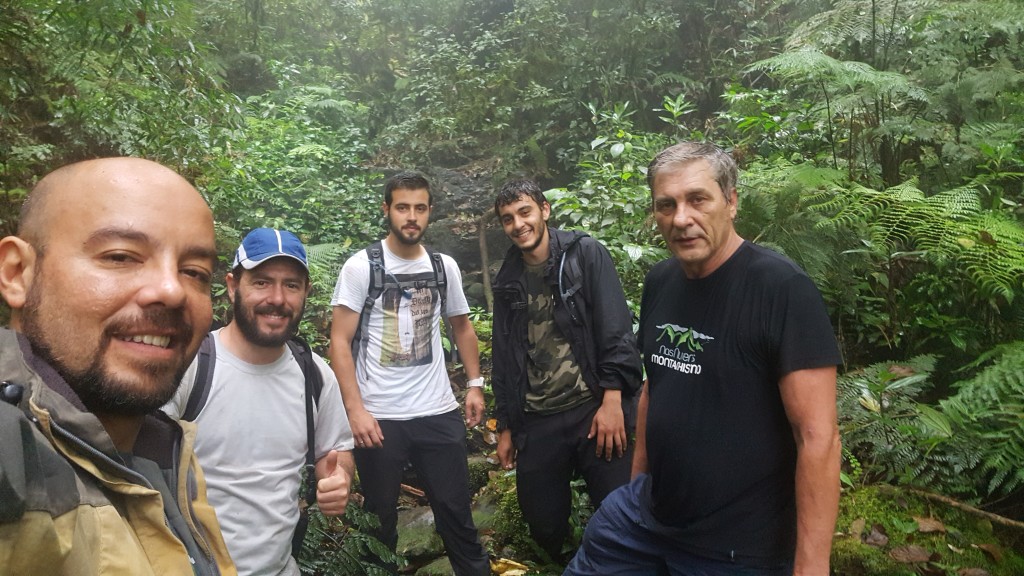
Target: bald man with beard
108 280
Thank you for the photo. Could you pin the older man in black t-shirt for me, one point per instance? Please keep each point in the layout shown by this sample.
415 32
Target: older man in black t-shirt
736 469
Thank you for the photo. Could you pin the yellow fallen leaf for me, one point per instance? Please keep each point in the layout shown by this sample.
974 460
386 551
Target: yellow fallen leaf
507 567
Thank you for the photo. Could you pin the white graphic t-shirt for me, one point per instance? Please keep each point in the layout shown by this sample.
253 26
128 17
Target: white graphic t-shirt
400 370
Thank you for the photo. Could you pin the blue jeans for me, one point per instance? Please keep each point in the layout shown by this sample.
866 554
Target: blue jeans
623 541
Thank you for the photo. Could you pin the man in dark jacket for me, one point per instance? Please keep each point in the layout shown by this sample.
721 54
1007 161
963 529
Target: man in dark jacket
566 366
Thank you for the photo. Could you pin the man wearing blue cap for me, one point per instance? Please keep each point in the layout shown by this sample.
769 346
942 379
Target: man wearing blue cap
252 441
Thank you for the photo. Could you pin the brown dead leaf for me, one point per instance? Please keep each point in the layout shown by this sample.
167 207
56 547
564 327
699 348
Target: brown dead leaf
972 572
877 537
492 424
930 525
991 550
901 371
910 554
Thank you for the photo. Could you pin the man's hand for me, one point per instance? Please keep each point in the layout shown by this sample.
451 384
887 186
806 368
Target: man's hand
506 450
365 429
474 406
332 488
609 426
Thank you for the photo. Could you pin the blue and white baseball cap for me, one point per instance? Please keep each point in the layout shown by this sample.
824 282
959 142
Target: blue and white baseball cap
262 244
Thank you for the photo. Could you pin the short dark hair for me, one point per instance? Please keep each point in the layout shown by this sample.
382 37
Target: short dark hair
512 190
407 180
722 164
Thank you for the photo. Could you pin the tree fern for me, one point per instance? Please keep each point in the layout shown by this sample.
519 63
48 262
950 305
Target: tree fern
988 414
988 247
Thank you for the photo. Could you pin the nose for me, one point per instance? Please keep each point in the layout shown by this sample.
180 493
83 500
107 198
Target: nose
683 216
162 285
275 295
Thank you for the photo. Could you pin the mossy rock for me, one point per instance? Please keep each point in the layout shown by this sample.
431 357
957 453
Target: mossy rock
439 567
957 540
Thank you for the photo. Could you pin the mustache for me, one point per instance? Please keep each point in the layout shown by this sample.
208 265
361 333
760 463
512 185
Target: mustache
165 321
271 309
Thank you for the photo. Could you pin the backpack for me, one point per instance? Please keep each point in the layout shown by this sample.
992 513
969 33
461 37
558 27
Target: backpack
570 270
314 384
381 278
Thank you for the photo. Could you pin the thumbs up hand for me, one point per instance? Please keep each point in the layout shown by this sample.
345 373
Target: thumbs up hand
334 472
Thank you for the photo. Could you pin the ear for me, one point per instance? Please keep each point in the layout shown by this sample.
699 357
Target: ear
384 208
733 204
545 211
17 270
231 283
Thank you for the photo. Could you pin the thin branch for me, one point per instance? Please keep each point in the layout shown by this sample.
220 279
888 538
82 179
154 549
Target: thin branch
994 518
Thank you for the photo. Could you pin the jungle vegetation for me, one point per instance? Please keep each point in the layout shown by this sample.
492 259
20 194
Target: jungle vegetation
881 143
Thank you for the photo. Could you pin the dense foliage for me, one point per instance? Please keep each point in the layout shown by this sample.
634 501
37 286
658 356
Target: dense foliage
881 141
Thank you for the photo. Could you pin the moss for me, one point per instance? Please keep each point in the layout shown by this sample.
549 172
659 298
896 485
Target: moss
894 511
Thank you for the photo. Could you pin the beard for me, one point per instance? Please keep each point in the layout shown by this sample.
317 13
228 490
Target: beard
248 325
101 389
401 236
541 232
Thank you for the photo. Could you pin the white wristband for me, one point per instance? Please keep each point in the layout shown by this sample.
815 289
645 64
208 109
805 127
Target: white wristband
476 382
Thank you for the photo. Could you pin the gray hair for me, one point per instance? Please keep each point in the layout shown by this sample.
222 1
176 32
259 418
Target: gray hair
722 165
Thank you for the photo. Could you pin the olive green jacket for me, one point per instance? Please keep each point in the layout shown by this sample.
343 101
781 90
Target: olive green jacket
70 505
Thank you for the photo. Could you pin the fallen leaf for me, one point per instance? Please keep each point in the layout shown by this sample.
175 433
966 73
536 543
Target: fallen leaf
901 371
492 424
877 537
972 572
507 567
955 549
910 554
991 550
930 525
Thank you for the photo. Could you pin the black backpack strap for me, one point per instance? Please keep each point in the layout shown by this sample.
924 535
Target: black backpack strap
570 278
314 384
207 359
375 256
441 281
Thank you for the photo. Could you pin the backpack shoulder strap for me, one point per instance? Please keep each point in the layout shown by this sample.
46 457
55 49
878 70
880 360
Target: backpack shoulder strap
207 356
440 278
570 277
441 281
375 256
314 384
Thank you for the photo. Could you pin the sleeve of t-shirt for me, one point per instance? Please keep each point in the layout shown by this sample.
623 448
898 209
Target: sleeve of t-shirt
456 302
353 283
805 339
332 428
175 407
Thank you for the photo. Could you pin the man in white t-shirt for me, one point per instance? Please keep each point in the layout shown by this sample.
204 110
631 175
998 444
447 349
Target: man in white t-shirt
252 433
396 388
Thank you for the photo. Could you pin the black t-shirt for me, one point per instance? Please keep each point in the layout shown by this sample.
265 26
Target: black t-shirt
720 449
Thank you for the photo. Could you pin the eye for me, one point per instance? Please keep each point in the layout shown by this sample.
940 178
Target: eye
200 275
119 257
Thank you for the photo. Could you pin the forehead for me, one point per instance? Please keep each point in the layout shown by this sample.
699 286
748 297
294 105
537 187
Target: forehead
524 201
158 204
690 177
407 196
